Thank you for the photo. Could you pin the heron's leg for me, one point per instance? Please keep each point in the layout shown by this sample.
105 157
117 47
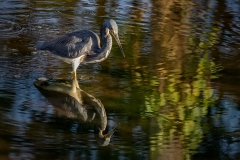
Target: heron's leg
75 79
74 83
75 65
77 84
73 88
74 74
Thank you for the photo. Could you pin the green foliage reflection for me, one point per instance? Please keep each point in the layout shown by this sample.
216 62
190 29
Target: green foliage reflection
185 93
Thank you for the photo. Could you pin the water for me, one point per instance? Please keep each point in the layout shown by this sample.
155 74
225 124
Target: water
175 94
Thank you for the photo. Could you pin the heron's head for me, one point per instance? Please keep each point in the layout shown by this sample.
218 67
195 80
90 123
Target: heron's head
110 26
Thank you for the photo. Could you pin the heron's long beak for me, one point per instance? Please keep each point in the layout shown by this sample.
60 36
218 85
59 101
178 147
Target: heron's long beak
115 35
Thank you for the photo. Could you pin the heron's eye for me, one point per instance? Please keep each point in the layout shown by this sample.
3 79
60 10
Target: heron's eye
113 31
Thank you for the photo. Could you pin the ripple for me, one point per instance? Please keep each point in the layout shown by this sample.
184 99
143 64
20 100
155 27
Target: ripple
10 28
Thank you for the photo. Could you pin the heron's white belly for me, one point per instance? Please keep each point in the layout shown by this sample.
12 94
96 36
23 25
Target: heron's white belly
68 60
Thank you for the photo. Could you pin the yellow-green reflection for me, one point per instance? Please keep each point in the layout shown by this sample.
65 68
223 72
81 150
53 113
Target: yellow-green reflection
183 80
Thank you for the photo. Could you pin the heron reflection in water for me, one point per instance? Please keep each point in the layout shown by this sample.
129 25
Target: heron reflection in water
83 47
76 103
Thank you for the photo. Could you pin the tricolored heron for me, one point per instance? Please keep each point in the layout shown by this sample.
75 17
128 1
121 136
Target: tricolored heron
82 47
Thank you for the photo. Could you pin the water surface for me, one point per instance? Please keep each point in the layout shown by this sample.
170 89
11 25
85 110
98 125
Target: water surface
175 94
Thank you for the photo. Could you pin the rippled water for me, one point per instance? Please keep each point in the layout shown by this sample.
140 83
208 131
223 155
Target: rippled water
175 94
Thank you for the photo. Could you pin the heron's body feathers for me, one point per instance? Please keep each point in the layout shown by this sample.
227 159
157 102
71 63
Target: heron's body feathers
72 45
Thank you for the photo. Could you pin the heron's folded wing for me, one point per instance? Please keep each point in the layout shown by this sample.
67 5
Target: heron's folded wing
71 45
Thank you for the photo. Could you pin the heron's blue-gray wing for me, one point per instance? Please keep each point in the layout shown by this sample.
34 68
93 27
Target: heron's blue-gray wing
71 45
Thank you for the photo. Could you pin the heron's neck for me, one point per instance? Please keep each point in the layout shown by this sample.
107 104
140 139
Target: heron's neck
106 45
103 52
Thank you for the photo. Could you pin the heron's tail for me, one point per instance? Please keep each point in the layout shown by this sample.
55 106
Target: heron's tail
40 45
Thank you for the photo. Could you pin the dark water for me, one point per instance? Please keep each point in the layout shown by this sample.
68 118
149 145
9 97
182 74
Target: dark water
176 94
